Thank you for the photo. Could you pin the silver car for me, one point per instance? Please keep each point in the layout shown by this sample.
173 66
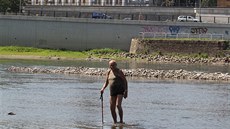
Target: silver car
183 18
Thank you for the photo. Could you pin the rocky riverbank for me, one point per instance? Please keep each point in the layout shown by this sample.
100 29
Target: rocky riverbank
148 73
158 58
170 58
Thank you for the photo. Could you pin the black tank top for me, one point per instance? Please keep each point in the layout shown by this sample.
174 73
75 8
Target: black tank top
116 82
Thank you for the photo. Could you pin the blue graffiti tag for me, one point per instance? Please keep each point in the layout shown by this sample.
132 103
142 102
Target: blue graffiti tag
174 29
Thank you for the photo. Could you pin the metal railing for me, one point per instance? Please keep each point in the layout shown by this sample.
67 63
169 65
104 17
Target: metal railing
207 36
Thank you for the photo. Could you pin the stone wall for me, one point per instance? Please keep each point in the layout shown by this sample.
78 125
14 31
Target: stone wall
177 46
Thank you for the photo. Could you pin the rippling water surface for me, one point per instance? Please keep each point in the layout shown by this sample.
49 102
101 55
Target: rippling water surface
54 101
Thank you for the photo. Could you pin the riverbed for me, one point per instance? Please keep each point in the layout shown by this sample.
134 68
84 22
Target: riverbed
57 101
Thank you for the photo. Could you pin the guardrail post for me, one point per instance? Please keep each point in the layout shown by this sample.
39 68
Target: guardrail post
142 35
214 20
228 19
28 13
79 15
66 14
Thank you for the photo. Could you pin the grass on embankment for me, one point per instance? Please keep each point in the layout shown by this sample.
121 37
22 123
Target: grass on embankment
30 51
15 52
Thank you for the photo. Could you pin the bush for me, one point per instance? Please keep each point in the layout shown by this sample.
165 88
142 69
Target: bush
103 51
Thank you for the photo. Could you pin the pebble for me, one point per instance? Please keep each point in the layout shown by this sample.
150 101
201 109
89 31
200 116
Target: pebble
11 113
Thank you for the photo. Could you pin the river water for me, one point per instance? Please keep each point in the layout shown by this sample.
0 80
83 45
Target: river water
55 101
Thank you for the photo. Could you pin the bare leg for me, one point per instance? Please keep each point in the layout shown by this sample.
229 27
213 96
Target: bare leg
119 107
113 100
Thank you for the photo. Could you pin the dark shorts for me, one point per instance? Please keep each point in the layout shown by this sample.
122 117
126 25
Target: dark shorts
116 90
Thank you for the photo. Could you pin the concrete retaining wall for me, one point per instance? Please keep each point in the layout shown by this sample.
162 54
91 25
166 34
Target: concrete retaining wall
83 34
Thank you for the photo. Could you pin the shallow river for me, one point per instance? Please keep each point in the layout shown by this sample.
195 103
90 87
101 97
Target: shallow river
54 101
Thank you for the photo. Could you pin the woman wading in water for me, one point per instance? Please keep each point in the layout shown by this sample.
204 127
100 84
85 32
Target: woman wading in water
115 78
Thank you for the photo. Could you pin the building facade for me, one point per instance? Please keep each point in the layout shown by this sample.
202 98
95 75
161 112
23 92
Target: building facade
80 2
165 3
223 3
159 3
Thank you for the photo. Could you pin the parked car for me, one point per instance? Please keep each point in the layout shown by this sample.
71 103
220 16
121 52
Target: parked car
183 18
127 18
99 15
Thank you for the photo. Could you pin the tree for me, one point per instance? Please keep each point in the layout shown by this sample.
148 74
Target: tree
10 5
4 5
14 5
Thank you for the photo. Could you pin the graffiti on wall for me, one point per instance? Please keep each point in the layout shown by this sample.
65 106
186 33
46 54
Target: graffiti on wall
155 29
199 30
174 29
161 29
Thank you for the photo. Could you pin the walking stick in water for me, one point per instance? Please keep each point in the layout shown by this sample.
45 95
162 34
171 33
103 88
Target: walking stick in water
102 117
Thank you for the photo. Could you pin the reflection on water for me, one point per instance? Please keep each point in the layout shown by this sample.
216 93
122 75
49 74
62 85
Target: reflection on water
53 101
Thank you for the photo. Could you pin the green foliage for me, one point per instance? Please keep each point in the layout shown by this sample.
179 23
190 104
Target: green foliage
203 55
208 3
4 5
10 5
103 51
19 49
199 55
30 51
14 5
226 45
